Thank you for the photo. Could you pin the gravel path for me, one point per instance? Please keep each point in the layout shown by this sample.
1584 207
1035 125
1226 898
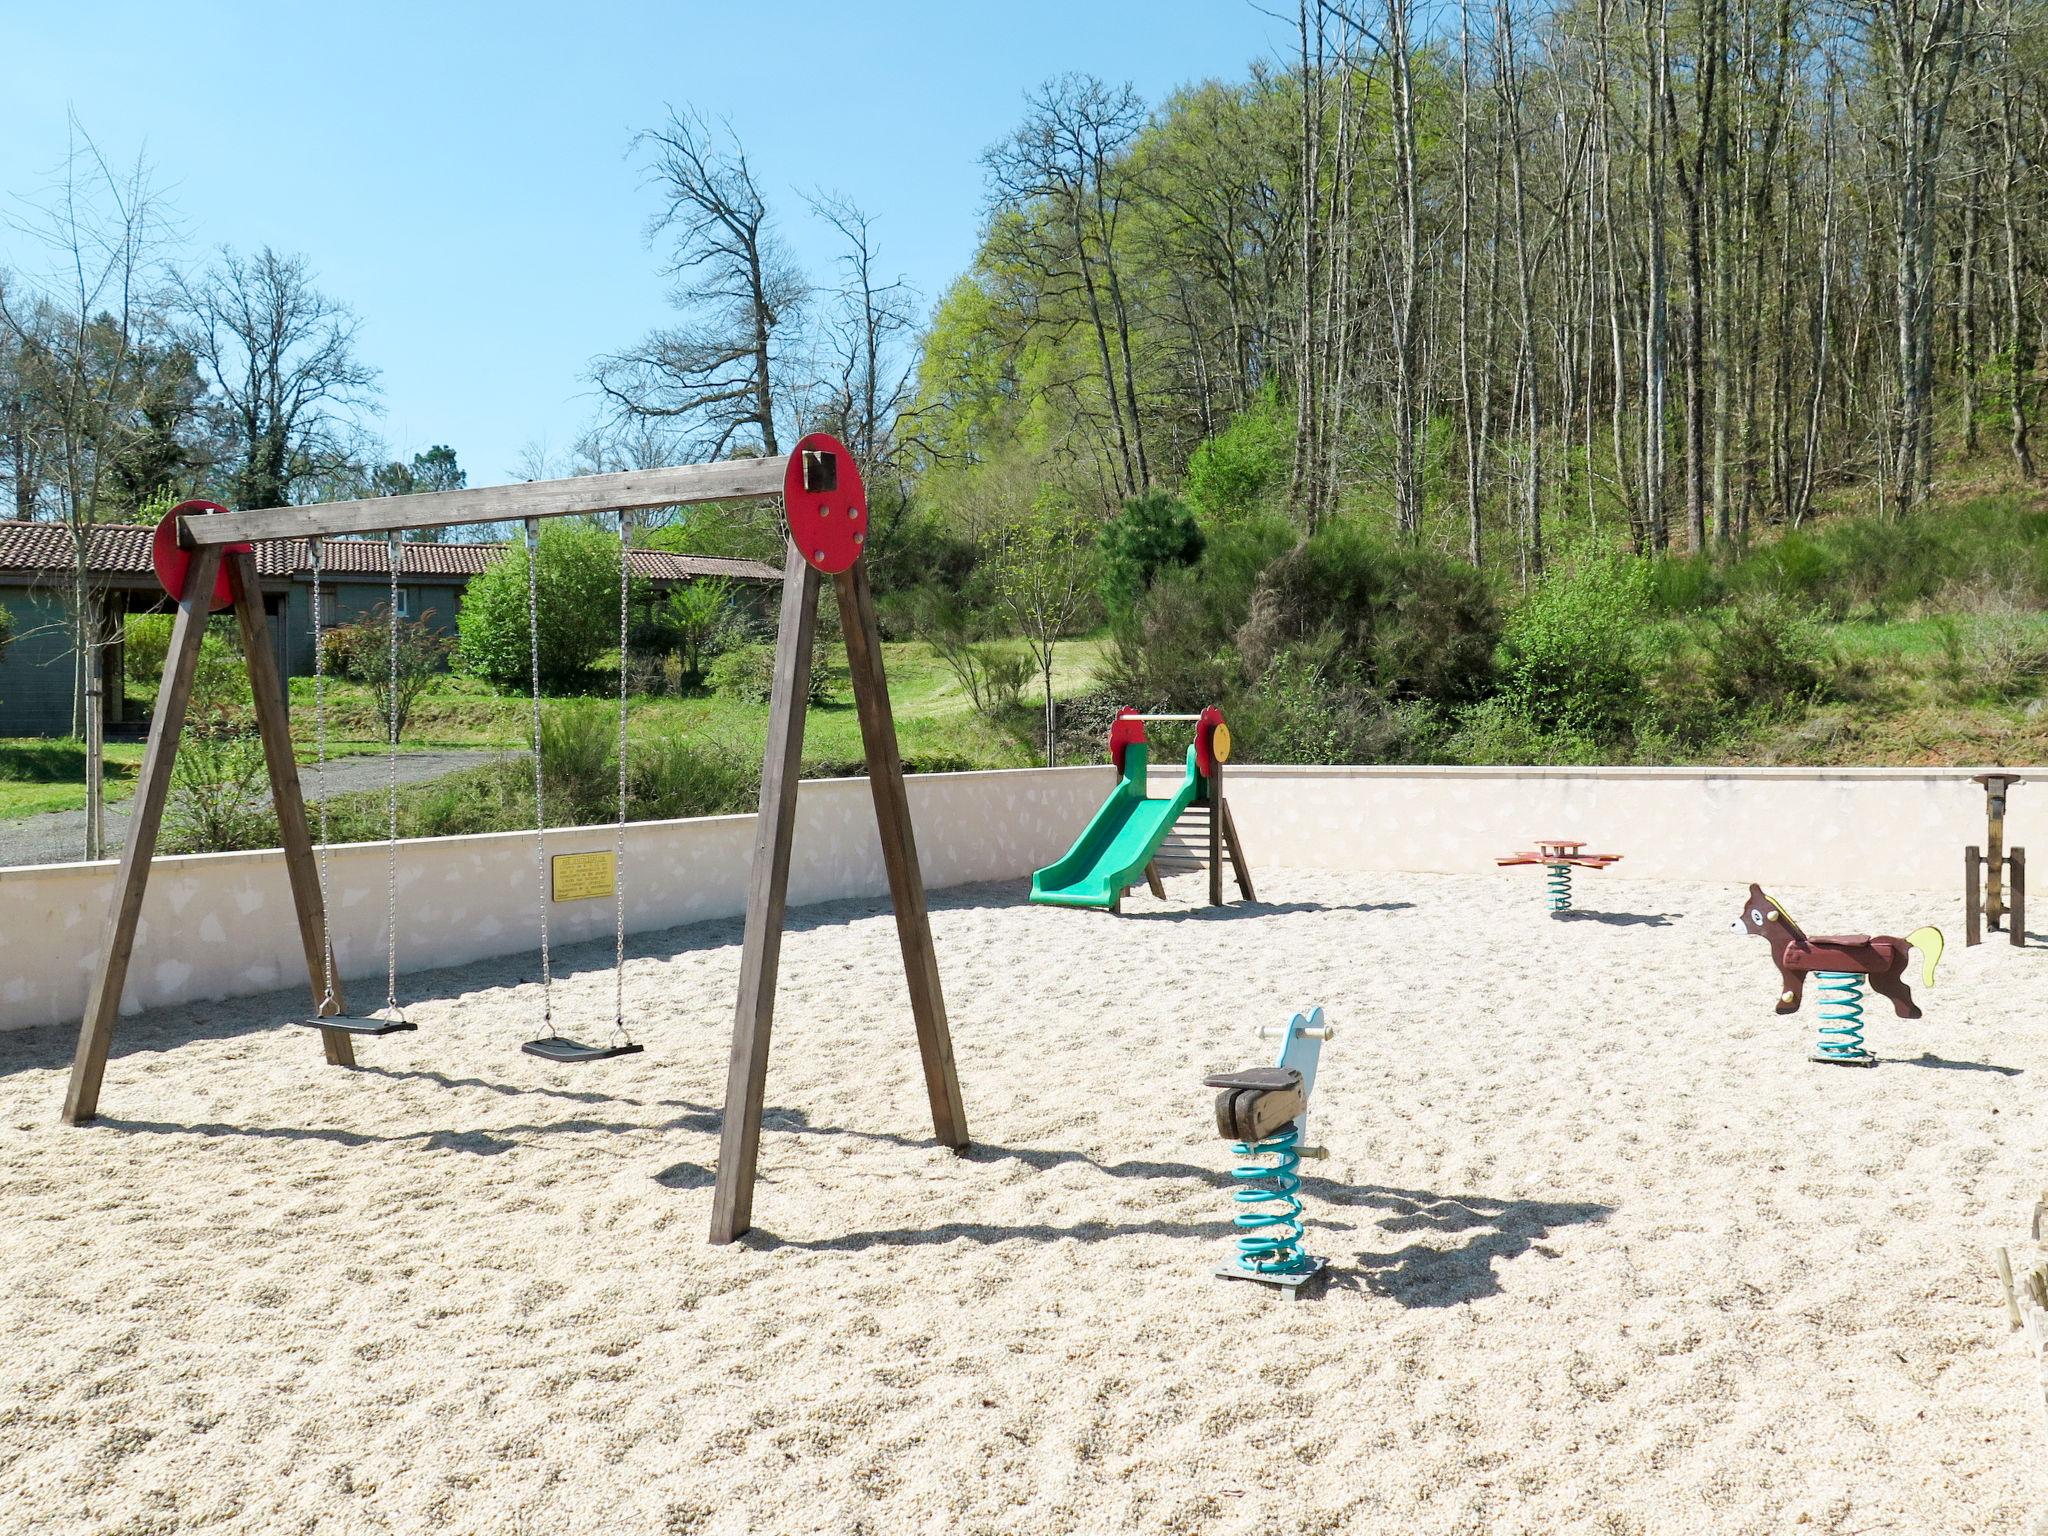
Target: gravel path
59 837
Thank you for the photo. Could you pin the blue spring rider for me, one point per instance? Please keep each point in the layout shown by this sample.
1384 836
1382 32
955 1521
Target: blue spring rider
1263 1113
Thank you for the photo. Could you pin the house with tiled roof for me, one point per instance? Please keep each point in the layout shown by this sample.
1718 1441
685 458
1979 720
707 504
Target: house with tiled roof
39 672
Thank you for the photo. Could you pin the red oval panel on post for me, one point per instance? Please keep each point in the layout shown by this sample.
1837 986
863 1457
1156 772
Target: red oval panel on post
172 560
1205 741
1124 730
826 503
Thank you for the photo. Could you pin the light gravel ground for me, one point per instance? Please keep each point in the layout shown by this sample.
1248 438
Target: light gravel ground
59 837
1610 1256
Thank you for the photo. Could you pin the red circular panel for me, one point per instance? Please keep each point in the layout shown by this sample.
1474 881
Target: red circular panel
826 503
1205 732
172 561
1126 729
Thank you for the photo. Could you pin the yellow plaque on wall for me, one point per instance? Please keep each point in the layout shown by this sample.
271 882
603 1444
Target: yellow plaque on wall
583 876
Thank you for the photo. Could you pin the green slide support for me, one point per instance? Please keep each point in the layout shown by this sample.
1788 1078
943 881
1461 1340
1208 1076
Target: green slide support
1112 854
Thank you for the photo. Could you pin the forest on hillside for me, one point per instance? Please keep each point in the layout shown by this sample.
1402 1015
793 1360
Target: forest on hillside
1466 382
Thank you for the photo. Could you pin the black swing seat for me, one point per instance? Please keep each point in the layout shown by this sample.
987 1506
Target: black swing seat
360 1026
557 1048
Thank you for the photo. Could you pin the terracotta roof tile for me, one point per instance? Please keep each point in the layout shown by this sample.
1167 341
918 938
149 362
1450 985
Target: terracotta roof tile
121 549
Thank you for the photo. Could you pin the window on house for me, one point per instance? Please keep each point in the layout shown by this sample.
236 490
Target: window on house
405 602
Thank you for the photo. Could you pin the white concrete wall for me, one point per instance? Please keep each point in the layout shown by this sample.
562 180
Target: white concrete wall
221 925
1879 828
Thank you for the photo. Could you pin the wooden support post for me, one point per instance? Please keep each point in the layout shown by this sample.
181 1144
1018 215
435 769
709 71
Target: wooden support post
739 1142
899 853
1237 863
1152 879
103 1003
266 688
1215 793
2016 916
1973 898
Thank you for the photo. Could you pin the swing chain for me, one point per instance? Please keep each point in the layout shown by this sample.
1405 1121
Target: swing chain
619 850
328 1006
396 557
540 841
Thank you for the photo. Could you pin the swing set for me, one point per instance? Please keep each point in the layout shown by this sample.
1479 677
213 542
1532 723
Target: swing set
205 558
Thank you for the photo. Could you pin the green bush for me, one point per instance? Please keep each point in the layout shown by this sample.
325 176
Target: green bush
219 791
1178 648
1569 662
578 579
747 673
1412 623
1231 475
1766 655
1310 707
1149 534
145 642
1684 584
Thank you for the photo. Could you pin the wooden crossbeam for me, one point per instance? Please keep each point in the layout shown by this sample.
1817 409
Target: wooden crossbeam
630 490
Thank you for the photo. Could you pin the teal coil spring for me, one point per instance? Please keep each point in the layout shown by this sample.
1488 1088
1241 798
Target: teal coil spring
1841 1017
1268 1217
1559 881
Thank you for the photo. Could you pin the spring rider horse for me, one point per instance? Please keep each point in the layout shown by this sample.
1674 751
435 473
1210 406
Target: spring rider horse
1841 962
1263 1112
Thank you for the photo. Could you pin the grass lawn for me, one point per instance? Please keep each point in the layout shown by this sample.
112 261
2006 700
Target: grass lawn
39 775
935 720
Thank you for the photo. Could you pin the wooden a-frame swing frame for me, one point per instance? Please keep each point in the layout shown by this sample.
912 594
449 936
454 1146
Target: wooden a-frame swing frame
218 542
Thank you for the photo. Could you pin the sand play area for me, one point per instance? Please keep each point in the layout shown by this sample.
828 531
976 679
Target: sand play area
1610 1256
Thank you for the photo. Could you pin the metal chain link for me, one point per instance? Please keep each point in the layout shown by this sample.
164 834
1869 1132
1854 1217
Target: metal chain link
619 851
395 552
540 840
328 1006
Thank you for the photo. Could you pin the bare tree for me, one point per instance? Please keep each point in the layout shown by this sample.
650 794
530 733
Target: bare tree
715 374
77 355
282 356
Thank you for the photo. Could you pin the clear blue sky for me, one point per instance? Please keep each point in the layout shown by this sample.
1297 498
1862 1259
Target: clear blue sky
458 172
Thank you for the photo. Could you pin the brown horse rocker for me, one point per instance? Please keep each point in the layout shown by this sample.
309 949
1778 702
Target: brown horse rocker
1882 958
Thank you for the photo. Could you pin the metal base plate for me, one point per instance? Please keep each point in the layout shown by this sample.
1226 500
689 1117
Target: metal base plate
1290 1283
1861 1059
556 1048
359 1026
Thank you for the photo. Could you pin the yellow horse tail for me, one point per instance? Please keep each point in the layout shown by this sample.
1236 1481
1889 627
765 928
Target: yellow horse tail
1929 942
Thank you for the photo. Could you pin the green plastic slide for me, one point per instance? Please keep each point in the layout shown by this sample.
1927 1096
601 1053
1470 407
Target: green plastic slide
1112 854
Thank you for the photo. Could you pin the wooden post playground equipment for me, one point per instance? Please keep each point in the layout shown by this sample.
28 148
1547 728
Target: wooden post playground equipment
1986 872
1263 1113
1558 855
1841 963
1122 844
206 560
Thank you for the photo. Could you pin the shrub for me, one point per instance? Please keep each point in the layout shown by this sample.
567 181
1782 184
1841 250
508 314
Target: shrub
1568 655
1178 648
362 653
1149 534
1682 584
1765 654
694 623
220 676
1231 474
991 676
146 641
1412 623
578 578
747 673
219 784
1310 707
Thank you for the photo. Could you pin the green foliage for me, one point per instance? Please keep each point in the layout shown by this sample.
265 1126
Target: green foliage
1413 623
1310 707
7 632
1568 659
992 676
219 784
1234 474
144 646
220 677
738 530
746 673
1149 534
578 578
694 623
1179 648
